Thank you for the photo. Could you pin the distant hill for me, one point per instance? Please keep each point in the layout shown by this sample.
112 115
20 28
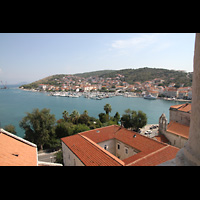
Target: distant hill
130 76
95 73
146 74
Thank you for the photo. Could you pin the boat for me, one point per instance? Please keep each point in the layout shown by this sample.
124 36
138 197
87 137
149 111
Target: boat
63 95
150 97
56 94
75 96
98 98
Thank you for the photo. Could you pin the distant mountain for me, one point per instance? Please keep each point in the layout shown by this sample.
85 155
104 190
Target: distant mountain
130 76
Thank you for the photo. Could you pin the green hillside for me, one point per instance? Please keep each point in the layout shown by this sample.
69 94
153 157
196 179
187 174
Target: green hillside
95 73
130 76
146 74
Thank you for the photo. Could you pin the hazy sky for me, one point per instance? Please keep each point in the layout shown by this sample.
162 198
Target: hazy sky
32 56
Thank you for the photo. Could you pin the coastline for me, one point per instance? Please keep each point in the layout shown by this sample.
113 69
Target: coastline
177 100
16 103
109 94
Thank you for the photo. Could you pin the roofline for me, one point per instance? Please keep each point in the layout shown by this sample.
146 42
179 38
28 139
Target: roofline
180 106
147 155
104 151
175 133
72 151
17 138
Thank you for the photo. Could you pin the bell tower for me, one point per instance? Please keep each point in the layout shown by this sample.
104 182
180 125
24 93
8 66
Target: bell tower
162 124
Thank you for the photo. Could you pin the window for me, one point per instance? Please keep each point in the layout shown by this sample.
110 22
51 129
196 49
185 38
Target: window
105 147
126 150
118 146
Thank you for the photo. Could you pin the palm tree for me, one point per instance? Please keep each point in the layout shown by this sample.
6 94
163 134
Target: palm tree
74 117
107 108
65 115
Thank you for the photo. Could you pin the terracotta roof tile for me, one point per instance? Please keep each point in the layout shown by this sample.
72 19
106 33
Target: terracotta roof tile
14 152
162 155
100 134
185 108
182 107
161 138
88 153
178 129
85 147
140 142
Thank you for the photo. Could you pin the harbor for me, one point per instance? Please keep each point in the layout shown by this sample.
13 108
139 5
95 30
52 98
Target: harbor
93 95
15 103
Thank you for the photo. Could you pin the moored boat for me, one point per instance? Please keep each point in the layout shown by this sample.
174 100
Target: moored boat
150 97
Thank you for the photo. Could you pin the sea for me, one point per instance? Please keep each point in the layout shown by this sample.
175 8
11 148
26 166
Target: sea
15 103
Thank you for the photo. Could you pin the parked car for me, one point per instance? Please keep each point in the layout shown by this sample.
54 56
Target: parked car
148 132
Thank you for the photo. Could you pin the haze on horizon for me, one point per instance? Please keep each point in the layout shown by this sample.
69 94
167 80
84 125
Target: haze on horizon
27 57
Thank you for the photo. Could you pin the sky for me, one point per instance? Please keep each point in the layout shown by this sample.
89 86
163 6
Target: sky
27 57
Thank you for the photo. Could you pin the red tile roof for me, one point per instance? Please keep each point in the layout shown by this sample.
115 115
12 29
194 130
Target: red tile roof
101 134
155 158
89 153
178 129
182 107
84 146
15 151
161 138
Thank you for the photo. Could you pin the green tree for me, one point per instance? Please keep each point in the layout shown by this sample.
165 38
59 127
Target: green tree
94 123
74 117
10 128
65 115
117 117
133 119
39 126
107 109
84 118
141 120
64 129
80 128
59 157
103 117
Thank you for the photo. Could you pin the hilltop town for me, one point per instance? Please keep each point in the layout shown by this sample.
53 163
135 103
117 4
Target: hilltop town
170 87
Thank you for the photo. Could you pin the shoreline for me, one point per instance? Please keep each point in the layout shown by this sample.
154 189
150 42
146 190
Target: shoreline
130 94
176 100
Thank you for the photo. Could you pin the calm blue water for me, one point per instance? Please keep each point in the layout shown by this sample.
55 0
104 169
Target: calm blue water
14 103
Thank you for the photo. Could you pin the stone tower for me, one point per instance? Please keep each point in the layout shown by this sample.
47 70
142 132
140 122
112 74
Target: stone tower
190 153
162 124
